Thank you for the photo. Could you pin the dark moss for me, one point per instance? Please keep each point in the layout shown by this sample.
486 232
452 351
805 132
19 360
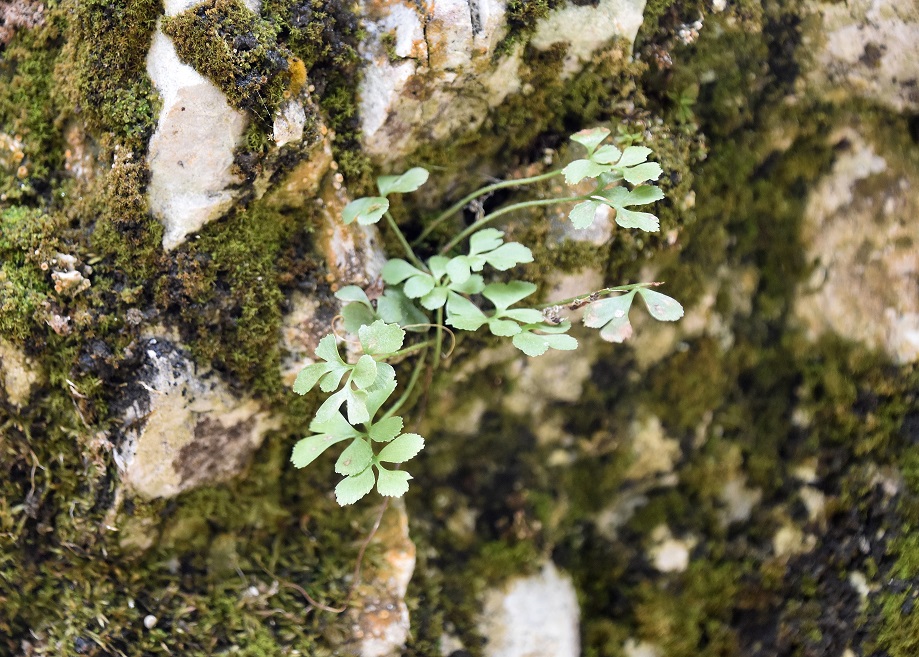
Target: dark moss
237 50
110 41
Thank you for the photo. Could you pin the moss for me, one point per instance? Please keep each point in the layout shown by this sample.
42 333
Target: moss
237 50
110 41
124 227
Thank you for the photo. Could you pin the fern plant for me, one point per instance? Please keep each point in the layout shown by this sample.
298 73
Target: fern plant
453 289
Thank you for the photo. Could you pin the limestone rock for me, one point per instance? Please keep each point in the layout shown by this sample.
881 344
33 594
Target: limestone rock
191 152
535 616
870 51
18 374
861 227
380 618
183 428
431 72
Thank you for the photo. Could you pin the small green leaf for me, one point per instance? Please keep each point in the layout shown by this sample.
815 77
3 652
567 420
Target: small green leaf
366 210
418 286
582 215
644 194
308 449
576 171
634 155
350 489
590 138
401 449
330 406
509 255
661 307
504 295
356 315
381 389
618 330
365 372
355 458
643 220
531 344
309 376
332 380
459 269
336 426
385 430
438 266
606 154
392 483
328 350
503 327
485 240
381 338
352 293
397 270
473 285
642 173
356 405
603 311
396 308
463 314
434 299
407 182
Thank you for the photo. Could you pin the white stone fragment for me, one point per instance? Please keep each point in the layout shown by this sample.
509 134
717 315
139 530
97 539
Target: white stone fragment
381 618
182 427
191 152
738 499
587 28
669 554
633 648
535 616
653 452
870 51
18 374
288 123
860 230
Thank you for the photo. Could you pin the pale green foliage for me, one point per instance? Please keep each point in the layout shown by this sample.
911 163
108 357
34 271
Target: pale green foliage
422 296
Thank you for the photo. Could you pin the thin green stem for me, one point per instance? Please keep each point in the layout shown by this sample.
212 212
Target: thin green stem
597 293
419 366
503 211
439 338
463 202
404 242
406 351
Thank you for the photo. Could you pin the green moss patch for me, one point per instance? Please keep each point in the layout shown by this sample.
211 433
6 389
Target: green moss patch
237 50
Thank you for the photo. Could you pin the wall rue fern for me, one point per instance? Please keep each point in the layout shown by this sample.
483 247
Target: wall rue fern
422 298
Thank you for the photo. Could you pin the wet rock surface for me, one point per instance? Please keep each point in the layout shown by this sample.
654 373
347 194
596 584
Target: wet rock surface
182 427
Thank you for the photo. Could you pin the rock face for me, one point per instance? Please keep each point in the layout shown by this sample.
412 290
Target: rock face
183 428
432 72
870 50
380 618
861 230
534 616
17 374
191 153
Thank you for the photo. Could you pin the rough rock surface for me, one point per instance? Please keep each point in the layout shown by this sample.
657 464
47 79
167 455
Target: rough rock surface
380 617
431 72
870 49
183 428
860 230
191 153
17 374
533 616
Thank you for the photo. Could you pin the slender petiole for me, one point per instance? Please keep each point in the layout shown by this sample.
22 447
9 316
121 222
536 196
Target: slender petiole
419 366
482 191
503 211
